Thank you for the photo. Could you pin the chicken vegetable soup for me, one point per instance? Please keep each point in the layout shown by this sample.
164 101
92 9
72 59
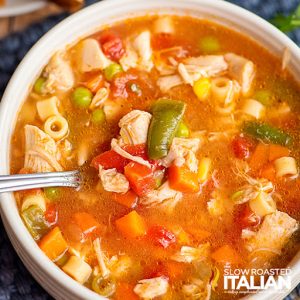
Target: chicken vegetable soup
187 137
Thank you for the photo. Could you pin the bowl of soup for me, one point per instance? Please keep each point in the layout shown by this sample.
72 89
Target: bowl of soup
183 120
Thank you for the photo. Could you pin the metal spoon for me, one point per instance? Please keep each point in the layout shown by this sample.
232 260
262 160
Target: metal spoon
18 182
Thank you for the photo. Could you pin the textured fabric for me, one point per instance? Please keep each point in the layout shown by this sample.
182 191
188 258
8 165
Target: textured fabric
15 281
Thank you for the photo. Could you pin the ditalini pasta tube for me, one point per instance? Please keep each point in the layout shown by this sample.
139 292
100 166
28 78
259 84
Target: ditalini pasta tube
263 204
286 166
57 127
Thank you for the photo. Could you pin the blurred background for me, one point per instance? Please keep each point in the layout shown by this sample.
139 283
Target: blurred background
22 23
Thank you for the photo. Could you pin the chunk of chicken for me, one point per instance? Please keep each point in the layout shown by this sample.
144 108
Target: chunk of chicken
182 151
101 258
193 68
189 254
274 232
151 288
130 58
91 56
165 83
59 74
134 127
40 151
142 44
113 181
242 70
100 97
164 196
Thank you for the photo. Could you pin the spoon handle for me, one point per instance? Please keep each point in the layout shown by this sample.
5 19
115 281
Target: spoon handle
18 182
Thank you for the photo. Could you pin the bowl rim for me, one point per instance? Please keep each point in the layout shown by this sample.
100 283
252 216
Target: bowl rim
25 246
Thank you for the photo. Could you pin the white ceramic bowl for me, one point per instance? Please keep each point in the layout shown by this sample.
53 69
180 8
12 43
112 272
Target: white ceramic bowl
58 284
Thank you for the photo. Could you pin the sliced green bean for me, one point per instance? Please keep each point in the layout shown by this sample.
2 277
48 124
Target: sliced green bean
267 133
166 116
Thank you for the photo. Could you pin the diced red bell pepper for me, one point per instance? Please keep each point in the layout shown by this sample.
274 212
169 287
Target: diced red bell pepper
112 46
109 160
51 214
241 147
140 178
161 236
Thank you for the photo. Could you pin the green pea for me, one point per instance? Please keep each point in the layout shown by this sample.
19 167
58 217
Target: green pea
182 131
39 85
209 44
112 70
98 116
52 193
82 97
105 287
264 97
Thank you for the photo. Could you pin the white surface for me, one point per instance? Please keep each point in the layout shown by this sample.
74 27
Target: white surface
58 284
19 7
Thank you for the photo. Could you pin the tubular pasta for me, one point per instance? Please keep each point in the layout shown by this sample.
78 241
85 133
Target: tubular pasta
57 127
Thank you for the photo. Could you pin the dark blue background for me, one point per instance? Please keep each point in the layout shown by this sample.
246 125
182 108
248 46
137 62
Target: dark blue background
15 281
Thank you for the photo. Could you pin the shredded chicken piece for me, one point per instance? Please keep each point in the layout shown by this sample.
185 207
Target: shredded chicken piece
40 151
91 57
274 232
242 70
164 195
151 288
134 127
117 148
113 181
165 83
105 272
196 290
182 151
100 97
130 58
189 254
142 44
165 69
59 74
193 68
219 204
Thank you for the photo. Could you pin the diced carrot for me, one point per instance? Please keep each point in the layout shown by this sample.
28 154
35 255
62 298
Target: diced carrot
53 243
226 254
86 222
259 157
95 83
183 180
131 225
199 234
268 172
128 199
140 178
278 151
125 291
